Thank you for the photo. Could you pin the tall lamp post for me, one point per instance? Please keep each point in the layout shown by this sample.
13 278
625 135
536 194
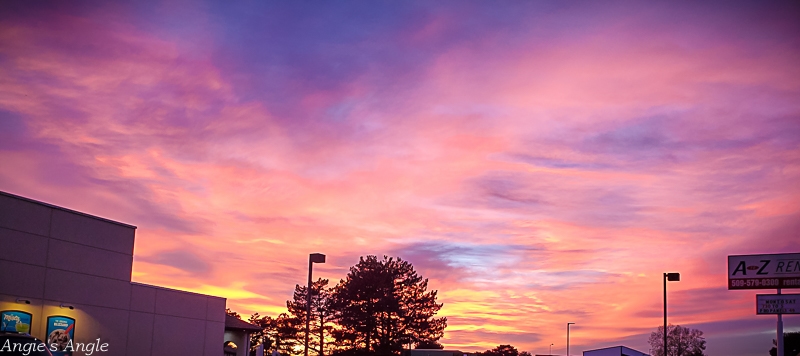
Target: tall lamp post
551 350
568 324
312 259
672 277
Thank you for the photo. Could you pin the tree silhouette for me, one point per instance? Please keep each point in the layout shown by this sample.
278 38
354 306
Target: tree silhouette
322 316
502 350
791 344
259 337
429 345
281 332
232 313
681 341
383 305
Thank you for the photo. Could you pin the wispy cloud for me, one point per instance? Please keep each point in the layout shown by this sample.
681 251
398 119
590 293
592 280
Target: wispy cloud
539 162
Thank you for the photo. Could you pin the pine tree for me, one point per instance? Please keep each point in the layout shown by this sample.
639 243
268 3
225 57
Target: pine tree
259 337
280 332
502 350
322 316
791 344
383 305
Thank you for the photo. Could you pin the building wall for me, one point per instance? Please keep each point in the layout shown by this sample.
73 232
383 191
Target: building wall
611 351
627 351
614 351
52 256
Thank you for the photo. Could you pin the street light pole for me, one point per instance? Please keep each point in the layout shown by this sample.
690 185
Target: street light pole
672 277
568 324
551 350
312 259
779 341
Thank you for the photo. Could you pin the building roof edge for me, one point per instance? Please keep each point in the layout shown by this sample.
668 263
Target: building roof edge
66 209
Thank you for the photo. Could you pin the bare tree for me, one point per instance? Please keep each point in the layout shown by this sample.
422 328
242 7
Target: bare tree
681 341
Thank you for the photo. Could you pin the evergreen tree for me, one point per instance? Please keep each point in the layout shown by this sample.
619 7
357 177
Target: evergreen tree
502 350
791 344
232 313
322 316
383 305
260 337
280 333
429 345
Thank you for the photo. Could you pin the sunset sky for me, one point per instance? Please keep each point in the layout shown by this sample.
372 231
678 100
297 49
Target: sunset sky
541 162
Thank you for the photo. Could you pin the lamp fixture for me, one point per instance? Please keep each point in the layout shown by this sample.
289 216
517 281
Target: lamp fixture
71 307
23 301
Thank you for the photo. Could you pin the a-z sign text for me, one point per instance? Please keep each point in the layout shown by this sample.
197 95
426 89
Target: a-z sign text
764 271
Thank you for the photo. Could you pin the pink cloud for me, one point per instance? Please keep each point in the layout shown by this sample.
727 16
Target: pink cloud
537 174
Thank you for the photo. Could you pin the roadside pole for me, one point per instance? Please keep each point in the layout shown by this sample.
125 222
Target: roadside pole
780 331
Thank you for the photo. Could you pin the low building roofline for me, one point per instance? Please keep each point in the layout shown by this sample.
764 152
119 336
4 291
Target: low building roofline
65 209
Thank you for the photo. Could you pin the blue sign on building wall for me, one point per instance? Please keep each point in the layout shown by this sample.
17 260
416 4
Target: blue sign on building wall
15 321
60 335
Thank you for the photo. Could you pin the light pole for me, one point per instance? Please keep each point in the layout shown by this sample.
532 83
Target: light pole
672 277
568 324
312 259
551 350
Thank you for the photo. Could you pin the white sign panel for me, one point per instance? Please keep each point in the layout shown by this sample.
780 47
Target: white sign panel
778 304
764 271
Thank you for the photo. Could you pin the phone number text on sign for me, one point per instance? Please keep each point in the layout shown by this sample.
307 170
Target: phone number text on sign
750 283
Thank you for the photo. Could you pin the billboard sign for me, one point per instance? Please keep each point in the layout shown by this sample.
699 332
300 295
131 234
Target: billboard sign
764 271
60 333
777 304
15 321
